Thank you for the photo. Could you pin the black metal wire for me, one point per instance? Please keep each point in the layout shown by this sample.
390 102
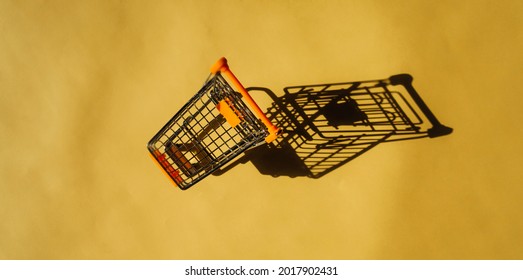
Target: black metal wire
198 139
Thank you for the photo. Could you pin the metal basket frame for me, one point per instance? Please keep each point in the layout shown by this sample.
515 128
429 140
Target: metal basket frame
211 129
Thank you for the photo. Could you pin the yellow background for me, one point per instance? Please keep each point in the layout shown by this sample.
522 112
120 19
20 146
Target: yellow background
85 84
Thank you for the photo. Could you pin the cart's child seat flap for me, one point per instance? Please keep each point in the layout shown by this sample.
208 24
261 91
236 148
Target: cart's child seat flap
229 114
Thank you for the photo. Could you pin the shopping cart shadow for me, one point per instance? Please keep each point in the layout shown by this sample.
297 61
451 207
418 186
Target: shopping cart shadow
327 125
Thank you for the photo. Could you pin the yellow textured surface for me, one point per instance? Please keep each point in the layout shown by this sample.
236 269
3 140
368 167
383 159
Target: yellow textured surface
85 84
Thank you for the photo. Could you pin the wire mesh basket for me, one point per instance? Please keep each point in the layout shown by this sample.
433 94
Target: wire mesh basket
212 128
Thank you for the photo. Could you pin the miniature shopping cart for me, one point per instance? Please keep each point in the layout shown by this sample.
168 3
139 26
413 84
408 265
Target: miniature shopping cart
212 128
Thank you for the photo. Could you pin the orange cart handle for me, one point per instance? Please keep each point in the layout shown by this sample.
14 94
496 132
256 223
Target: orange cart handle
222 66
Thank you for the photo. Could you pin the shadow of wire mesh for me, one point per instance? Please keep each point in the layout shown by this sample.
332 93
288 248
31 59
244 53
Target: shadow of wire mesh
327 125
